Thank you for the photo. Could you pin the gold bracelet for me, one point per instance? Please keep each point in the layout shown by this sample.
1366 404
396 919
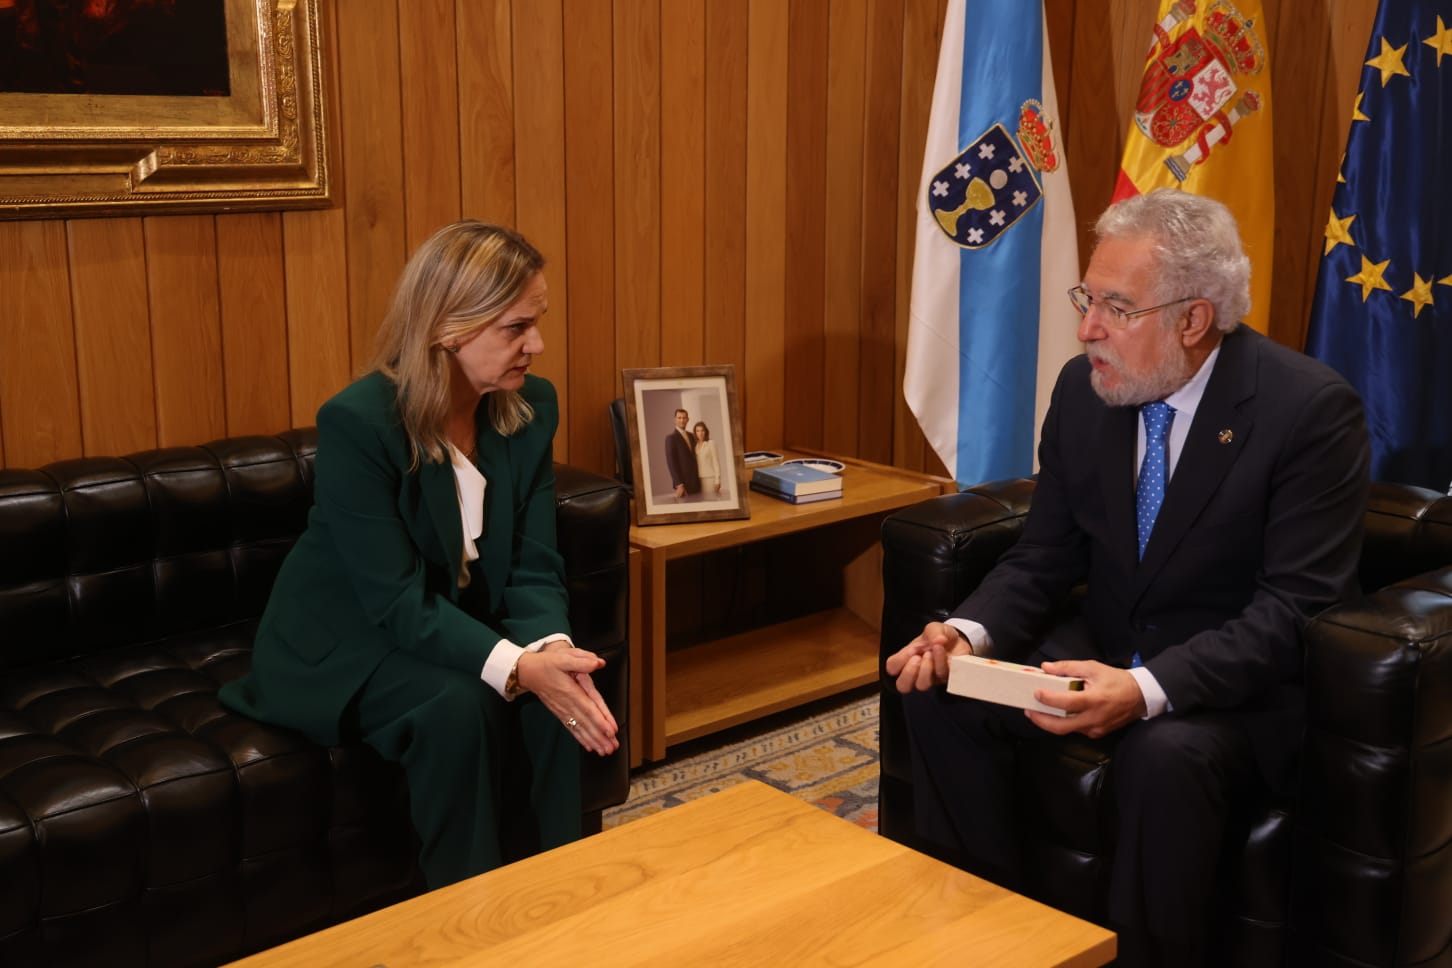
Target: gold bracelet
511 684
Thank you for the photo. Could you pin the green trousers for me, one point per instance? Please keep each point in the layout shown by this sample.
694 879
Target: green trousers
489 781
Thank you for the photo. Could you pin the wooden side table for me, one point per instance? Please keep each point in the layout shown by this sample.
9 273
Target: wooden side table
718 683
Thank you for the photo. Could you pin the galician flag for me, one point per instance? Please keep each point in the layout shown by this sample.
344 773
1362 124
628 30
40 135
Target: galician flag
991 322
1203 123
1383 309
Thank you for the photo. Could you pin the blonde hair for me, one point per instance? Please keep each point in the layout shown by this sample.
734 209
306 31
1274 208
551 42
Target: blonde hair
457 283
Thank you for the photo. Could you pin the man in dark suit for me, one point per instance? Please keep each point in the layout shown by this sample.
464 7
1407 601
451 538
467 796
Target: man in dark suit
680 449
1254 483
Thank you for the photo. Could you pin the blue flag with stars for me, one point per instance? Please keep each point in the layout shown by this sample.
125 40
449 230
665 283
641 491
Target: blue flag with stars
1382 314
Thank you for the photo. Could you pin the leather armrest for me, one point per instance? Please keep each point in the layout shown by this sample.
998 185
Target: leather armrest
937 551
1375 806
593 525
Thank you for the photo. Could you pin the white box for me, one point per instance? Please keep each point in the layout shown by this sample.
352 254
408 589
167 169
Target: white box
1006 683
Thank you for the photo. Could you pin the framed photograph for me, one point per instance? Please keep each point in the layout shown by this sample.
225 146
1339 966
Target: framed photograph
685 444
159 106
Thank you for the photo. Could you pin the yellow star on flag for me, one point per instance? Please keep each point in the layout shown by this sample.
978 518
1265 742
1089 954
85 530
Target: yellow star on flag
1369 277
1338 231
1389 62
1420 295
1356 114
1441 41
1445 282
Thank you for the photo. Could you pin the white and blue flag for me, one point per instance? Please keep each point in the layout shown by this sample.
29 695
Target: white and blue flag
996 251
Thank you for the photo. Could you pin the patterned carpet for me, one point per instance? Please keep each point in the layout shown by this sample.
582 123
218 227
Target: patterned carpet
825 753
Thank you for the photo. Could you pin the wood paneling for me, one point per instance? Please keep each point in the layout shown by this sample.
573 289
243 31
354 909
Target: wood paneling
842 182
712 181
808 32
113 335
186 328
762 380
480 148
40 415
682 191
434 85
539 131
589 201
252 296
637 184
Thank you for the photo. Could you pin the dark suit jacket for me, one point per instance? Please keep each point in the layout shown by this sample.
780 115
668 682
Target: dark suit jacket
1259 530
376 569
681 459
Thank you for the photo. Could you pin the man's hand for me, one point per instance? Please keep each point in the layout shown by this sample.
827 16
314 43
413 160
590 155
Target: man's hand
923 662
680 490
1109 700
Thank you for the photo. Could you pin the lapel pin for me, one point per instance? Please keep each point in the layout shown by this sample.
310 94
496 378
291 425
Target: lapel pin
1226 436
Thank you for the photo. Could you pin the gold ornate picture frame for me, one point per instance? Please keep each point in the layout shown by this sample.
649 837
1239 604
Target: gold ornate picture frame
261 146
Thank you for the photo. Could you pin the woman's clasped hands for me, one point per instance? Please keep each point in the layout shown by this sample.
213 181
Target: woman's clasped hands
559 674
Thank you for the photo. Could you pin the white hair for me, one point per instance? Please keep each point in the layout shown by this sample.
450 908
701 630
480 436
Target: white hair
1197 248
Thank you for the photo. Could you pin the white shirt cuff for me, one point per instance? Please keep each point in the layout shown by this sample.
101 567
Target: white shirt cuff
1155 701
977 635
505 654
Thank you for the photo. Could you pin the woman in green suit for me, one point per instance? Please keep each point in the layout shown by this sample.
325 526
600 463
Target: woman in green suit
426 593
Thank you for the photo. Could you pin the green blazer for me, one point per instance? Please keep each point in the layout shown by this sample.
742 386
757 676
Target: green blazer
376 568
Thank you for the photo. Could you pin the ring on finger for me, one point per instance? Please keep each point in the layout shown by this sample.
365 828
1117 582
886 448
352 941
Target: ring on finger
572 723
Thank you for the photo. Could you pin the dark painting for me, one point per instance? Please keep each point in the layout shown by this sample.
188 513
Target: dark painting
136 47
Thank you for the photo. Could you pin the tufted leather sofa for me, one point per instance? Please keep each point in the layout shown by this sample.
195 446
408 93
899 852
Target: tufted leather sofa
141 823
1355 870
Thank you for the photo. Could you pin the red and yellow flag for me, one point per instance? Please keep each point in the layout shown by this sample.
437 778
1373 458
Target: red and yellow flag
1203 122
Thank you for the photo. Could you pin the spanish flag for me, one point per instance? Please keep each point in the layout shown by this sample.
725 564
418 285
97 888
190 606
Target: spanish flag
1203 122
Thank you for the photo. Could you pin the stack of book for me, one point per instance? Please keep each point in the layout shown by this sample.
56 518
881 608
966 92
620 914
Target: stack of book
796 483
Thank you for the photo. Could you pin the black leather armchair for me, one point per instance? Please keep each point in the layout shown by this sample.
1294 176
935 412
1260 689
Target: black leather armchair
1356 869
141 823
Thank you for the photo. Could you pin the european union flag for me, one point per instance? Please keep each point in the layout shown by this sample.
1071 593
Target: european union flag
1383 309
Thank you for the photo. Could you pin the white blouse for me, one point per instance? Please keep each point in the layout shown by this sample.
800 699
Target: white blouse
469 484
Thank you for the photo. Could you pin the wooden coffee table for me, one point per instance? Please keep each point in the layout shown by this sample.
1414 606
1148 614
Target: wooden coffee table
748 876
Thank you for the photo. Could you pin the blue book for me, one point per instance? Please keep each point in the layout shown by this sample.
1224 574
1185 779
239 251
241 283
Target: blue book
796 479
796 498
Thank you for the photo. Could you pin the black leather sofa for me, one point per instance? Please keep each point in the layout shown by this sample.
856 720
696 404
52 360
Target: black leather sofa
141 823
1356 869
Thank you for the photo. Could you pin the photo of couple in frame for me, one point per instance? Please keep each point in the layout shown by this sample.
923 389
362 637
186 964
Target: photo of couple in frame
685 444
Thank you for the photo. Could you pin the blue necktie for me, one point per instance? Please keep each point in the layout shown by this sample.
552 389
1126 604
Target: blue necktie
1149 494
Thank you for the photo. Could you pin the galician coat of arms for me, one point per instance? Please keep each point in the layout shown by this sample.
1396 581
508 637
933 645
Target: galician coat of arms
980 194
1192 88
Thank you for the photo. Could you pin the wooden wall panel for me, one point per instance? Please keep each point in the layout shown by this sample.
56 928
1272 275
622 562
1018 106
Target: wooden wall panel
431 84
876 372
186 328
113 335
842 185
589 200
318 335
252 299
484 146
725 180
682 176
806 220
40 417
372 149
762 380
712 181
539 131
922 36
637 183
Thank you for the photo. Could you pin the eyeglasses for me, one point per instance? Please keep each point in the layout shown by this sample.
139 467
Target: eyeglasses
1118 318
